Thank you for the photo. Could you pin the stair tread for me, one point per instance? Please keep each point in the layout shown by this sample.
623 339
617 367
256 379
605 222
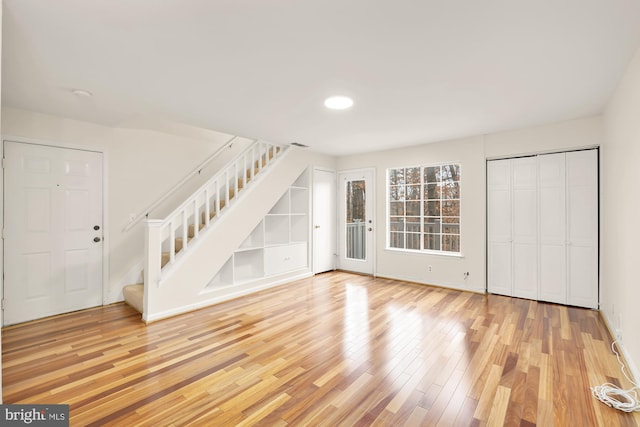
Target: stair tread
134 296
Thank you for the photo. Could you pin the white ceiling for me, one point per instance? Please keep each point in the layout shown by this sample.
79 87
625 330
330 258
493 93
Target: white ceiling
419 71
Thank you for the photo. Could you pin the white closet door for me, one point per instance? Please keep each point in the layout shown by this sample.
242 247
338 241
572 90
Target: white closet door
553 230
525 228
582 220
499 227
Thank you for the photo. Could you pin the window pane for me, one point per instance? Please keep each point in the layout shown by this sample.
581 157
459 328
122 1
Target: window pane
396 240
432 242
413 224
451 220
413 241
451 243
432 225
355 201
413 192
396 208
451 172
413 208
451 228
396 223
432 191
412 175
451 190
432 174
432 208
396 193
451 208
396 176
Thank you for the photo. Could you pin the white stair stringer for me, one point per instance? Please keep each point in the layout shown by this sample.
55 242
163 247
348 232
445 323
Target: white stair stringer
184 287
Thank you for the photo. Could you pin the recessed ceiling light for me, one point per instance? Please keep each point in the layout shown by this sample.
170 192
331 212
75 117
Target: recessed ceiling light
82 93
338 102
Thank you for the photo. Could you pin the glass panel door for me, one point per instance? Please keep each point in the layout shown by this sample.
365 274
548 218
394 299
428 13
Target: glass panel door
356 221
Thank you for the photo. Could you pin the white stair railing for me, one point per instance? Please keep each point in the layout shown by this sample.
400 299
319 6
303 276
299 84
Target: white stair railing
183 226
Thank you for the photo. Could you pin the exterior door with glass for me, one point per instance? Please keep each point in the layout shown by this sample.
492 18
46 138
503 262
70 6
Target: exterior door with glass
356 221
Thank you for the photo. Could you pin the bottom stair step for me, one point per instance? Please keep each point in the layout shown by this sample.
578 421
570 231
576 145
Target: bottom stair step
134 296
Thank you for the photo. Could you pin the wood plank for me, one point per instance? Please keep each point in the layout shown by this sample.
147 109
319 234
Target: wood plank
305 354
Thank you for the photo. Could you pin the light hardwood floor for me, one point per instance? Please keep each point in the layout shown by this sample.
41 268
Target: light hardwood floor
336 349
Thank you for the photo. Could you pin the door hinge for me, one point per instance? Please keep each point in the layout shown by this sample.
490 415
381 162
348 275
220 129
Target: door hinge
2 304
3 161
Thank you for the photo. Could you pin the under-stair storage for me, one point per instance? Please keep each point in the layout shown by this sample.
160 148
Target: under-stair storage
277 245
245 229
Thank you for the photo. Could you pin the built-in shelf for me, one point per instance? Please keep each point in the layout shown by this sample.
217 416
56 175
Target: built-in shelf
277 245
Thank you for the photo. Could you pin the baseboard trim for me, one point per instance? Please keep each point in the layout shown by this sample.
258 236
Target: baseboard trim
224 297
632 369
435 285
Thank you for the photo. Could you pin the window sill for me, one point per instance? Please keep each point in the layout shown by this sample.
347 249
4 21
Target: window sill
436 253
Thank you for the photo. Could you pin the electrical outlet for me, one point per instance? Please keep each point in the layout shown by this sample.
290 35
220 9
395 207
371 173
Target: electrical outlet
466 275
429 268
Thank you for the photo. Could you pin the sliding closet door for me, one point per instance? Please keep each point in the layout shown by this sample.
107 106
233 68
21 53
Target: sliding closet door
582 220
525 229
499 227
553 230
542 227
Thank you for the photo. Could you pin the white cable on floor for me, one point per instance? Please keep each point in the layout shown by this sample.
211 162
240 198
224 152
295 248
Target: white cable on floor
615 397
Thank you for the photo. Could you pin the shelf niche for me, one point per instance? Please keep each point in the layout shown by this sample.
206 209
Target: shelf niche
277 245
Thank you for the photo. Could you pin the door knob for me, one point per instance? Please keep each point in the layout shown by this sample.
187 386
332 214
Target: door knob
317 226
370 228
96 227
96 239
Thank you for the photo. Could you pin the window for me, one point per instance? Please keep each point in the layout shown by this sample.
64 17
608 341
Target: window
424 208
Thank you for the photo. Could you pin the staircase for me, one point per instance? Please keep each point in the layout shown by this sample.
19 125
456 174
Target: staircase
171 240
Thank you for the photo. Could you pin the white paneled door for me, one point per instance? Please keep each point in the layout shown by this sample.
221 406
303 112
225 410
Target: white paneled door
53 230
525 228
324 221
553 229
582 224
499 227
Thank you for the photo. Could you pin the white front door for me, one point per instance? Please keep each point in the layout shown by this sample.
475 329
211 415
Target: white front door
324 220
356 219
53 231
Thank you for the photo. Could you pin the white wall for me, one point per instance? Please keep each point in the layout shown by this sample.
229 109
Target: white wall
141 165
472 154
446 270
1 210
620 211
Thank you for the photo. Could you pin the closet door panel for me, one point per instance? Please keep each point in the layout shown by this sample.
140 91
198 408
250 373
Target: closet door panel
499 256
525 271
583 285
499 269
525 229
582 220
553 230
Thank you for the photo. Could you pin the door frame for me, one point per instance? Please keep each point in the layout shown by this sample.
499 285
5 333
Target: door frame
339 222
105 211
